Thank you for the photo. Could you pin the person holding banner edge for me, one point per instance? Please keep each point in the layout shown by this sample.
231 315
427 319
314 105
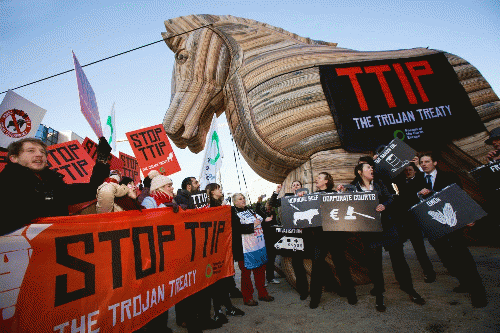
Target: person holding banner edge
451 249
30 181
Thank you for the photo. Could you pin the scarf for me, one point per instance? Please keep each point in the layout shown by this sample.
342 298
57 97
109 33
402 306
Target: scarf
110 180
161 197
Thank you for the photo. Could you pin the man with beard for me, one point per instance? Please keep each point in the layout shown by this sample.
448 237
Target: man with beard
32 190
194 311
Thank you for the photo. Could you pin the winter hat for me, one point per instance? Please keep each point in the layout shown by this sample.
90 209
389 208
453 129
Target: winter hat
115 174
158 180
494 134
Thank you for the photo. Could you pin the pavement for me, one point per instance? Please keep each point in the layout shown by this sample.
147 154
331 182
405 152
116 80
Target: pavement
445 311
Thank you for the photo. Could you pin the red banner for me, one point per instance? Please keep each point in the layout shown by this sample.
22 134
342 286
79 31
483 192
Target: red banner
130 167
91 148
109 272
3 160
153 150
71 160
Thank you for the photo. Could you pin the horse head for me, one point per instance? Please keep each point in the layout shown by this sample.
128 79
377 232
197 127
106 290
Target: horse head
201 68
267 81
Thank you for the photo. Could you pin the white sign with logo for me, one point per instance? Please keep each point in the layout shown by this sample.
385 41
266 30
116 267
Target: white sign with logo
19 118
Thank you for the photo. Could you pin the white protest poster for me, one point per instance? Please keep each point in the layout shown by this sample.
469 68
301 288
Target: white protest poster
19 118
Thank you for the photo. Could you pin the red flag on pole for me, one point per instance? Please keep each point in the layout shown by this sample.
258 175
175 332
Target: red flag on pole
88 102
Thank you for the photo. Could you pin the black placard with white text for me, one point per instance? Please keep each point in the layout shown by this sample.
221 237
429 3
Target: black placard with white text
301 212
446 211
293 241
394 158
419 100
488 177
199 199
352 211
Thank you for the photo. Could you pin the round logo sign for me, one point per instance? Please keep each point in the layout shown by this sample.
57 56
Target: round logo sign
15 123
209 271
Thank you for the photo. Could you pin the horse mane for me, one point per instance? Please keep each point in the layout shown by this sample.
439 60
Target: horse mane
183 24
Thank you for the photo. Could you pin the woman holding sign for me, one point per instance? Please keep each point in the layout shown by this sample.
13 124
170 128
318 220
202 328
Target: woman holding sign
336 244
298 257
389 238
249 250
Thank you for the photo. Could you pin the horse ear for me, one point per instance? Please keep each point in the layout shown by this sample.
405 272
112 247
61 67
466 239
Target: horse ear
175 43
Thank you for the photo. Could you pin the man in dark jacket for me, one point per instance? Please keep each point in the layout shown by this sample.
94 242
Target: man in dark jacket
189 186
31 190
193 311
451 249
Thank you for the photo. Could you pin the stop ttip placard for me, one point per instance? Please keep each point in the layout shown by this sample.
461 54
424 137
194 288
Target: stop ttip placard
153 150
71 160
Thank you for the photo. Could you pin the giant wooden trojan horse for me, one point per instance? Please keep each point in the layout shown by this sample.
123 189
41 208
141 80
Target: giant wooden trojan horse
267 81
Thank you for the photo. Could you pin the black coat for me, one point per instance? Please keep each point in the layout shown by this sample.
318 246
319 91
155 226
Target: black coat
269 231
25 197
443 179
390 234
183 199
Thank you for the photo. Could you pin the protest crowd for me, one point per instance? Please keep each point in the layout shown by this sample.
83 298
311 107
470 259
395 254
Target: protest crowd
28 181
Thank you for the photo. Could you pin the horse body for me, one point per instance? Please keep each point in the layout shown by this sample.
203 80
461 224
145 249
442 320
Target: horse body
267 82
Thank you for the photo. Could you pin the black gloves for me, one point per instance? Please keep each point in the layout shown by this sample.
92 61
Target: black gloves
173 205
103 150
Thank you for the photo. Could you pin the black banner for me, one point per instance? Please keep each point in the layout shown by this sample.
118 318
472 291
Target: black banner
446 211
419 100
301 212
394 158
199 199
333 211
488 177
291 242
354 211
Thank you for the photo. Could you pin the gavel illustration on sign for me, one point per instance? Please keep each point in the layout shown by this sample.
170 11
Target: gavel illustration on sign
350 211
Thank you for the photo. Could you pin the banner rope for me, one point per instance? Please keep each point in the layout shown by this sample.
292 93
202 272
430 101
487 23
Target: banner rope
95 62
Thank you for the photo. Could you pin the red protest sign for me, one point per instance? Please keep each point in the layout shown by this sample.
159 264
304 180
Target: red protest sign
153 150
3 160
71 160
110 272
91 148
130 167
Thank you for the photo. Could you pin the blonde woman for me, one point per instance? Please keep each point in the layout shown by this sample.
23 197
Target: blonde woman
162 193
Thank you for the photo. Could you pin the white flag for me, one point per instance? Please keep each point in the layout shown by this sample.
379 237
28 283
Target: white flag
213 157
110 129
19 118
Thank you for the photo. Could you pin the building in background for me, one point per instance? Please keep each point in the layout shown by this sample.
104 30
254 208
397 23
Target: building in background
51 137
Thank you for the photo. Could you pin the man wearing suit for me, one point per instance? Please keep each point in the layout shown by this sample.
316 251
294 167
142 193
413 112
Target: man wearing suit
451 249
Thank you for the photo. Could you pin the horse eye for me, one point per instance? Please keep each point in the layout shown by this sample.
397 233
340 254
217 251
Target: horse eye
182 56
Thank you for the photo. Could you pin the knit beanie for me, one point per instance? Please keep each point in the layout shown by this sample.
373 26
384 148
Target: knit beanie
115 177
158 180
